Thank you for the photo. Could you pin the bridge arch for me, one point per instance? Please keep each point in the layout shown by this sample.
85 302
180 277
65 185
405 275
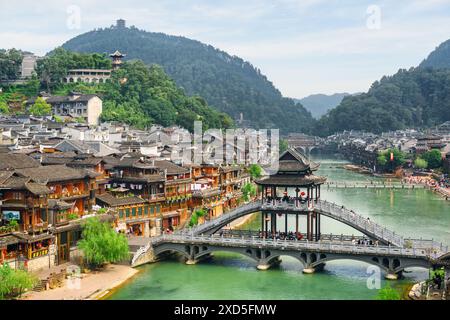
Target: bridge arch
215 225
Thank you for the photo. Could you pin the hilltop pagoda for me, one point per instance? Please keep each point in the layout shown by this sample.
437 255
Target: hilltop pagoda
117 59
294 187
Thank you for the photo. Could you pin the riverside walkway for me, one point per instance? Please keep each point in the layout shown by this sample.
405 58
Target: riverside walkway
394 254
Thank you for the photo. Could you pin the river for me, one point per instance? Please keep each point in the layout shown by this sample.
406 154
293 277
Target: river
412 213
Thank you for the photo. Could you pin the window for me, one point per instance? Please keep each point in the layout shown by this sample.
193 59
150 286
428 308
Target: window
152 210
121 213
133 212
140 211
75 236
146 210
158 208
127 212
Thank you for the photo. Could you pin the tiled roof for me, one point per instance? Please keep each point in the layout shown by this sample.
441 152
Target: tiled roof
9 161
54 173
112 201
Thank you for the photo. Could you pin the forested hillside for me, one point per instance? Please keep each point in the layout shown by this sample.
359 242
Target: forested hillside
411 98
439 58
136 94
228 83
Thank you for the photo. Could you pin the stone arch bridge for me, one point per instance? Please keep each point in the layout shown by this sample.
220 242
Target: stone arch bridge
393 255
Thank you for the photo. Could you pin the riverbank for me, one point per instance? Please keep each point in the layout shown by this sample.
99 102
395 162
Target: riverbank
92 286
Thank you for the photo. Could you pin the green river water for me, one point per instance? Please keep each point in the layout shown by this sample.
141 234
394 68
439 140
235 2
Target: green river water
412 213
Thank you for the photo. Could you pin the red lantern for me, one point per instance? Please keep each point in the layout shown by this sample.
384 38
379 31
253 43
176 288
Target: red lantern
302 194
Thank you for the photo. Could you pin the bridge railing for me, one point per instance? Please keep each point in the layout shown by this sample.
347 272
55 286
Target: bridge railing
298 245
212 224
360 221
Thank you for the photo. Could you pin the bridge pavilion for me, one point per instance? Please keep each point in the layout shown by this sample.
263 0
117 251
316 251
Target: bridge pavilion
295 176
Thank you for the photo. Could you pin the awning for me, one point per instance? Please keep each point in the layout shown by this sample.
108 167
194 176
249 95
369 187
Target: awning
171 214
8 240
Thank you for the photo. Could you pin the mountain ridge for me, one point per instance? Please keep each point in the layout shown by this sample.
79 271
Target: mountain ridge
228 83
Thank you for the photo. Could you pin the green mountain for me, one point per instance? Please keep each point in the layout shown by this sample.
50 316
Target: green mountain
418 97
439 58
319 104
228 83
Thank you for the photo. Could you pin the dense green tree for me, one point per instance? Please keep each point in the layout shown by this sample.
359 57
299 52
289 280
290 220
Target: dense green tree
101 244
283 145
14 282
54 67
196 215
420 163
10 64
248 191
433 158
381 160
4 108
142 95
255 171
40 108
391 159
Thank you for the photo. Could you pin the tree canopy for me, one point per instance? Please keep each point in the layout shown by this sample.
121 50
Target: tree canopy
101 244
391 159
14 282
433 158
54 67
412 98
10 64
420 163
142 95
40 108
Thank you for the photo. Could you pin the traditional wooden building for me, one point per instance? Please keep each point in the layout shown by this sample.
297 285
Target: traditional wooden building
134 215
178 195
232 179
206 191
24 224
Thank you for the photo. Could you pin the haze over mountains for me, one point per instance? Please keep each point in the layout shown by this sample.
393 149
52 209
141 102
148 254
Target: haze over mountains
319 104
228 83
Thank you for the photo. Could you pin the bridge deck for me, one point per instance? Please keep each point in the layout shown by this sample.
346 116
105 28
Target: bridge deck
321 246
339 213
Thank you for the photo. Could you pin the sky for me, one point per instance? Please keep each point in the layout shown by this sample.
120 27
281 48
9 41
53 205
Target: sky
302 46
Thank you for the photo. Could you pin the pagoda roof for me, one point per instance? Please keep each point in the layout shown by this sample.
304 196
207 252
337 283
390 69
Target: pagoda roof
294 161
294 170
117 54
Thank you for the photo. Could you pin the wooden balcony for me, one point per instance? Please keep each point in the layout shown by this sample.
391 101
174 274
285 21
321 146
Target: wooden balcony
38 227
37 253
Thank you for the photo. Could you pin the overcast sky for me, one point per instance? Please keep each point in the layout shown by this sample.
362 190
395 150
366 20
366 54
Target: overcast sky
303 46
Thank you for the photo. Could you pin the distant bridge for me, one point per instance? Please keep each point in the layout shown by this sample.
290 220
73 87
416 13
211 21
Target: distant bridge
362 185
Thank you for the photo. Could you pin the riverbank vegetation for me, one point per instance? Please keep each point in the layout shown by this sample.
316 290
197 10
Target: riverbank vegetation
14 282
101 244
388 293
196 215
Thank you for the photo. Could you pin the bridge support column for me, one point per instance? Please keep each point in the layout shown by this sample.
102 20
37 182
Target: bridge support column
263 267
393 275
191 262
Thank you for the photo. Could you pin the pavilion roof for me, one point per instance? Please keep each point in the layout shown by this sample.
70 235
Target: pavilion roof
294 170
